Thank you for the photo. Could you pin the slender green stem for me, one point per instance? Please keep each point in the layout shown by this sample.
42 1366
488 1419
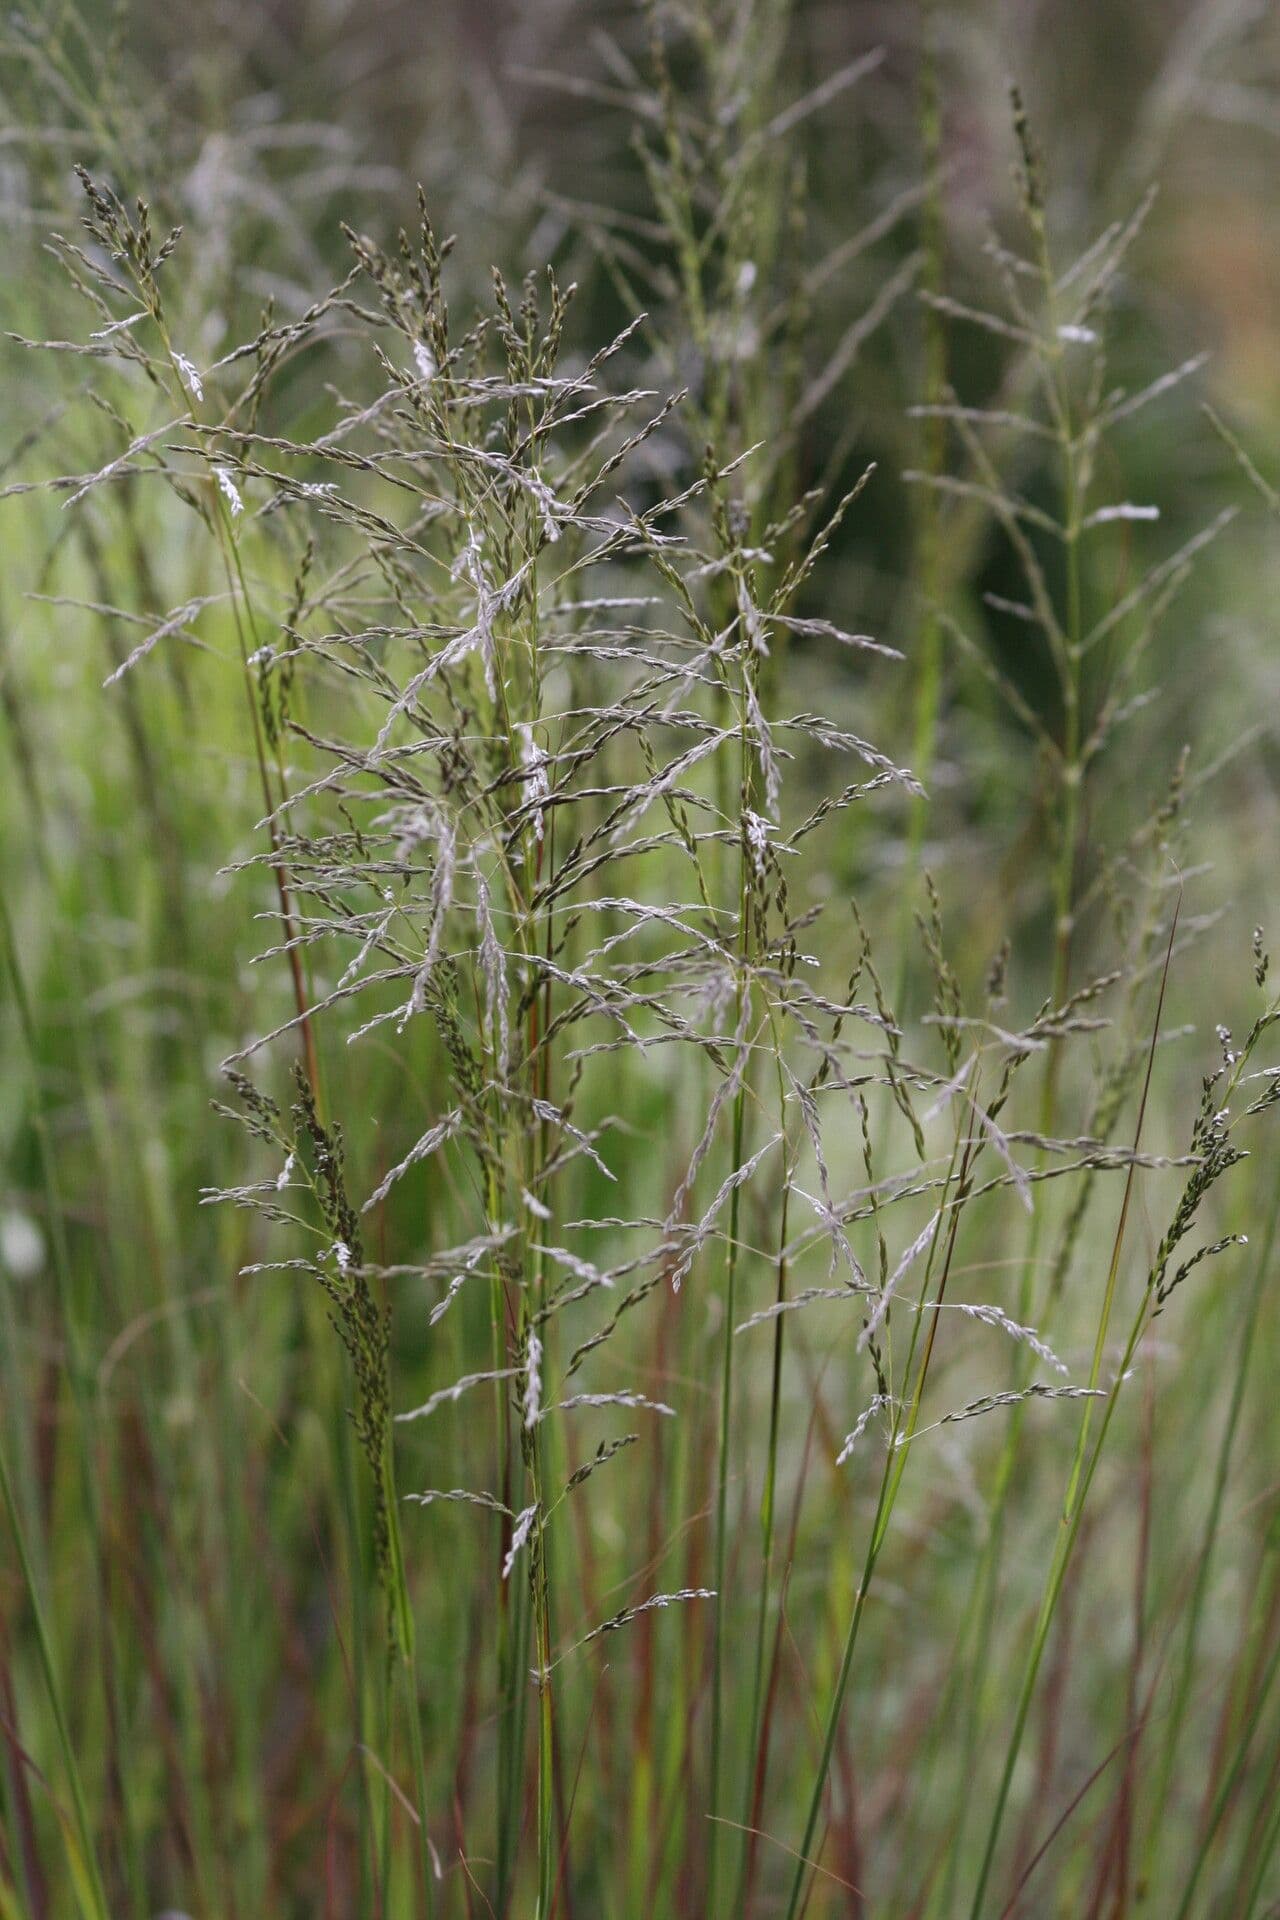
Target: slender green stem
756 1752
406 1653
1081 1474
900 1436
1068 661
722 1508
744 999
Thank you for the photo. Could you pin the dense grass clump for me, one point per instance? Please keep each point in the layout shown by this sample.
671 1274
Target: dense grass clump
639 1228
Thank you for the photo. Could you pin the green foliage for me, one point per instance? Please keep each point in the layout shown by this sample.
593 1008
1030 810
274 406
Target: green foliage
722 1369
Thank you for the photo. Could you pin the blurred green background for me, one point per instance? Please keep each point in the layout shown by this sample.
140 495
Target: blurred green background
219 1765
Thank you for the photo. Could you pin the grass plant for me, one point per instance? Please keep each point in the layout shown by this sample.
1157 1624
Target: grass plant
639 1214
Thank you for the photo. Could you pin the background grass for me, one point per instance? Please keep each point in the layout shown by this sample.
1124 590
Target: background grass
196 1709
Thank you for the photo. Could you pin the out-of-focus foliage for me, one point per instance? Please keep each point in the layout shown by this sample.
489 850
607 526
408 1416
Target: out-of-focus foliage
941 370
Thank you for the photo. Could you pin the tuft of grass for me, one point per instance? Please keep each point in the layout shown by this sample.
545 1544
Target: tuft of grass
634 1413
